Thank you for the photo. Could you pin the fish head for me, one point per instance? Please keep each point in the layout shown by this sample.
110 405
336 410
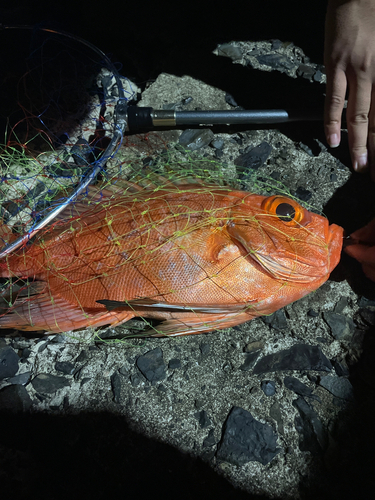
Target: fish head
286 240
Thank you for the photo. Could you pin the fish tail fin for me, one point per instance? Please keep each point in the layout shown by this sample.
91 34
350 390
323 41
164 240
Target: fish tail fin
31 307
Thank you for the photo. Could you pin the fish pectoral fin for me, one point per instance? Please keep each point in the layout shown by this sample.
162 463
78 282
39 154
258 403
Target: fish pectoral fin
150 304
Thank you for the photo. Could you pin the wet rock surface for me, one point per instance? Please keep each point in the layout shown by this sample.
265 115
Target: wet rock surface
265 406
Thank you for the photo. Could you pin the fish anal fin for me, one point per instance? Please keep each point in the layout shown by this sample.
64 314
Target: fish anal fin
201 323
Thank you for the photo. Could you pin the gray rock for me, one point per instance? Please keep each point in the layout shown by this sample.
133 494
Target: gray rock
48 384
297 357
250 359
204 348
275 413
342 328
230 100
245 439
303 194
253 158
210 439
229 50
21 378
196 139
8 362
277 320
338 386
152 365
367 316
217 143
81 152
203 419
64 367
313 436
318 76
15 398
306 71
276 61
276 44
135 379
116 386
293 384
174 363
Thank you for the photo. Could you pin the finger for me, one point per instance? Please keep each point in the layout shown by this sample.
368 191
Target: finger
357 120
366 233
371 136
333 106
363 253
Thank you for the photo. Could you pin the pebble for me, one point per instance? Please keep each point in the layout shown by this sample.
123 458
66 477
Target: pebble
229 50
276 61
81 152
338 386
116 387
204 348
21 378
8 362
64 367
229 99
277 320
342 327
48 384
217 143
306 71
268 387
313 436
15 398
275 413
210 439
295 385
152 365
245 439
174 363
303 194
194 139
253 158
203 419
250 359
297 357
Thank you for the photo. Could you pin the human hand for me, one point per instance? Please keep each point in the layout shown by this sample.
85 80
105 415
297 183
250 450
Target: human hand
349 57
363 248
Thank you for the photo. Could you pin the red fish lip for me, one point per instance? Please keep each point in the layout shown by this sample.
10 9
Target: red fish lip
335 244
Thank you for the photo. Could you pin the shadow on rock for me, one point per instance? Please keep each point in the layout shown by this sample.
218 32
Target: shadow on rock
97 455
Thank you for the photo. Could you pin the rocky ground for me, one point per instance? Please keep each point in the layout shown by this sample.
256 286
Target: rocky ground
279 407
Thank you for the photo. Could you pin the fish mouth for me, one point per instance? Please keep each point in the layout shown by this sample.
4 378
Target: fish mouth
333 241
335 245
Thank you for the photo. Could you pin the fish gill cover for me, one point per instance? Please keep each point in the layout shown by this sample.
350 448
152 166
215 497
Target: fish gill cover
58 131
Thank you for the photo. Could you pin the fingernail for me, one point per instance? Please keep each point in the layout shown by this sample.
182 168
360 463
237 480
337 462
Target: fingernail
333 140
360 163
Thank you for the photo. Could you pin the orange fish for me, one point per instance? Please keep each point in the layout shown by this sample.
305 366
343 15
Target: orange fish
195 257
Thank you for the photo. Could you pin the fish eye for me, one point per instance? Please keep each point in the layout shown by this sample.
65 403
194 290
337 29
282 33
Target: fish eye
286 209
